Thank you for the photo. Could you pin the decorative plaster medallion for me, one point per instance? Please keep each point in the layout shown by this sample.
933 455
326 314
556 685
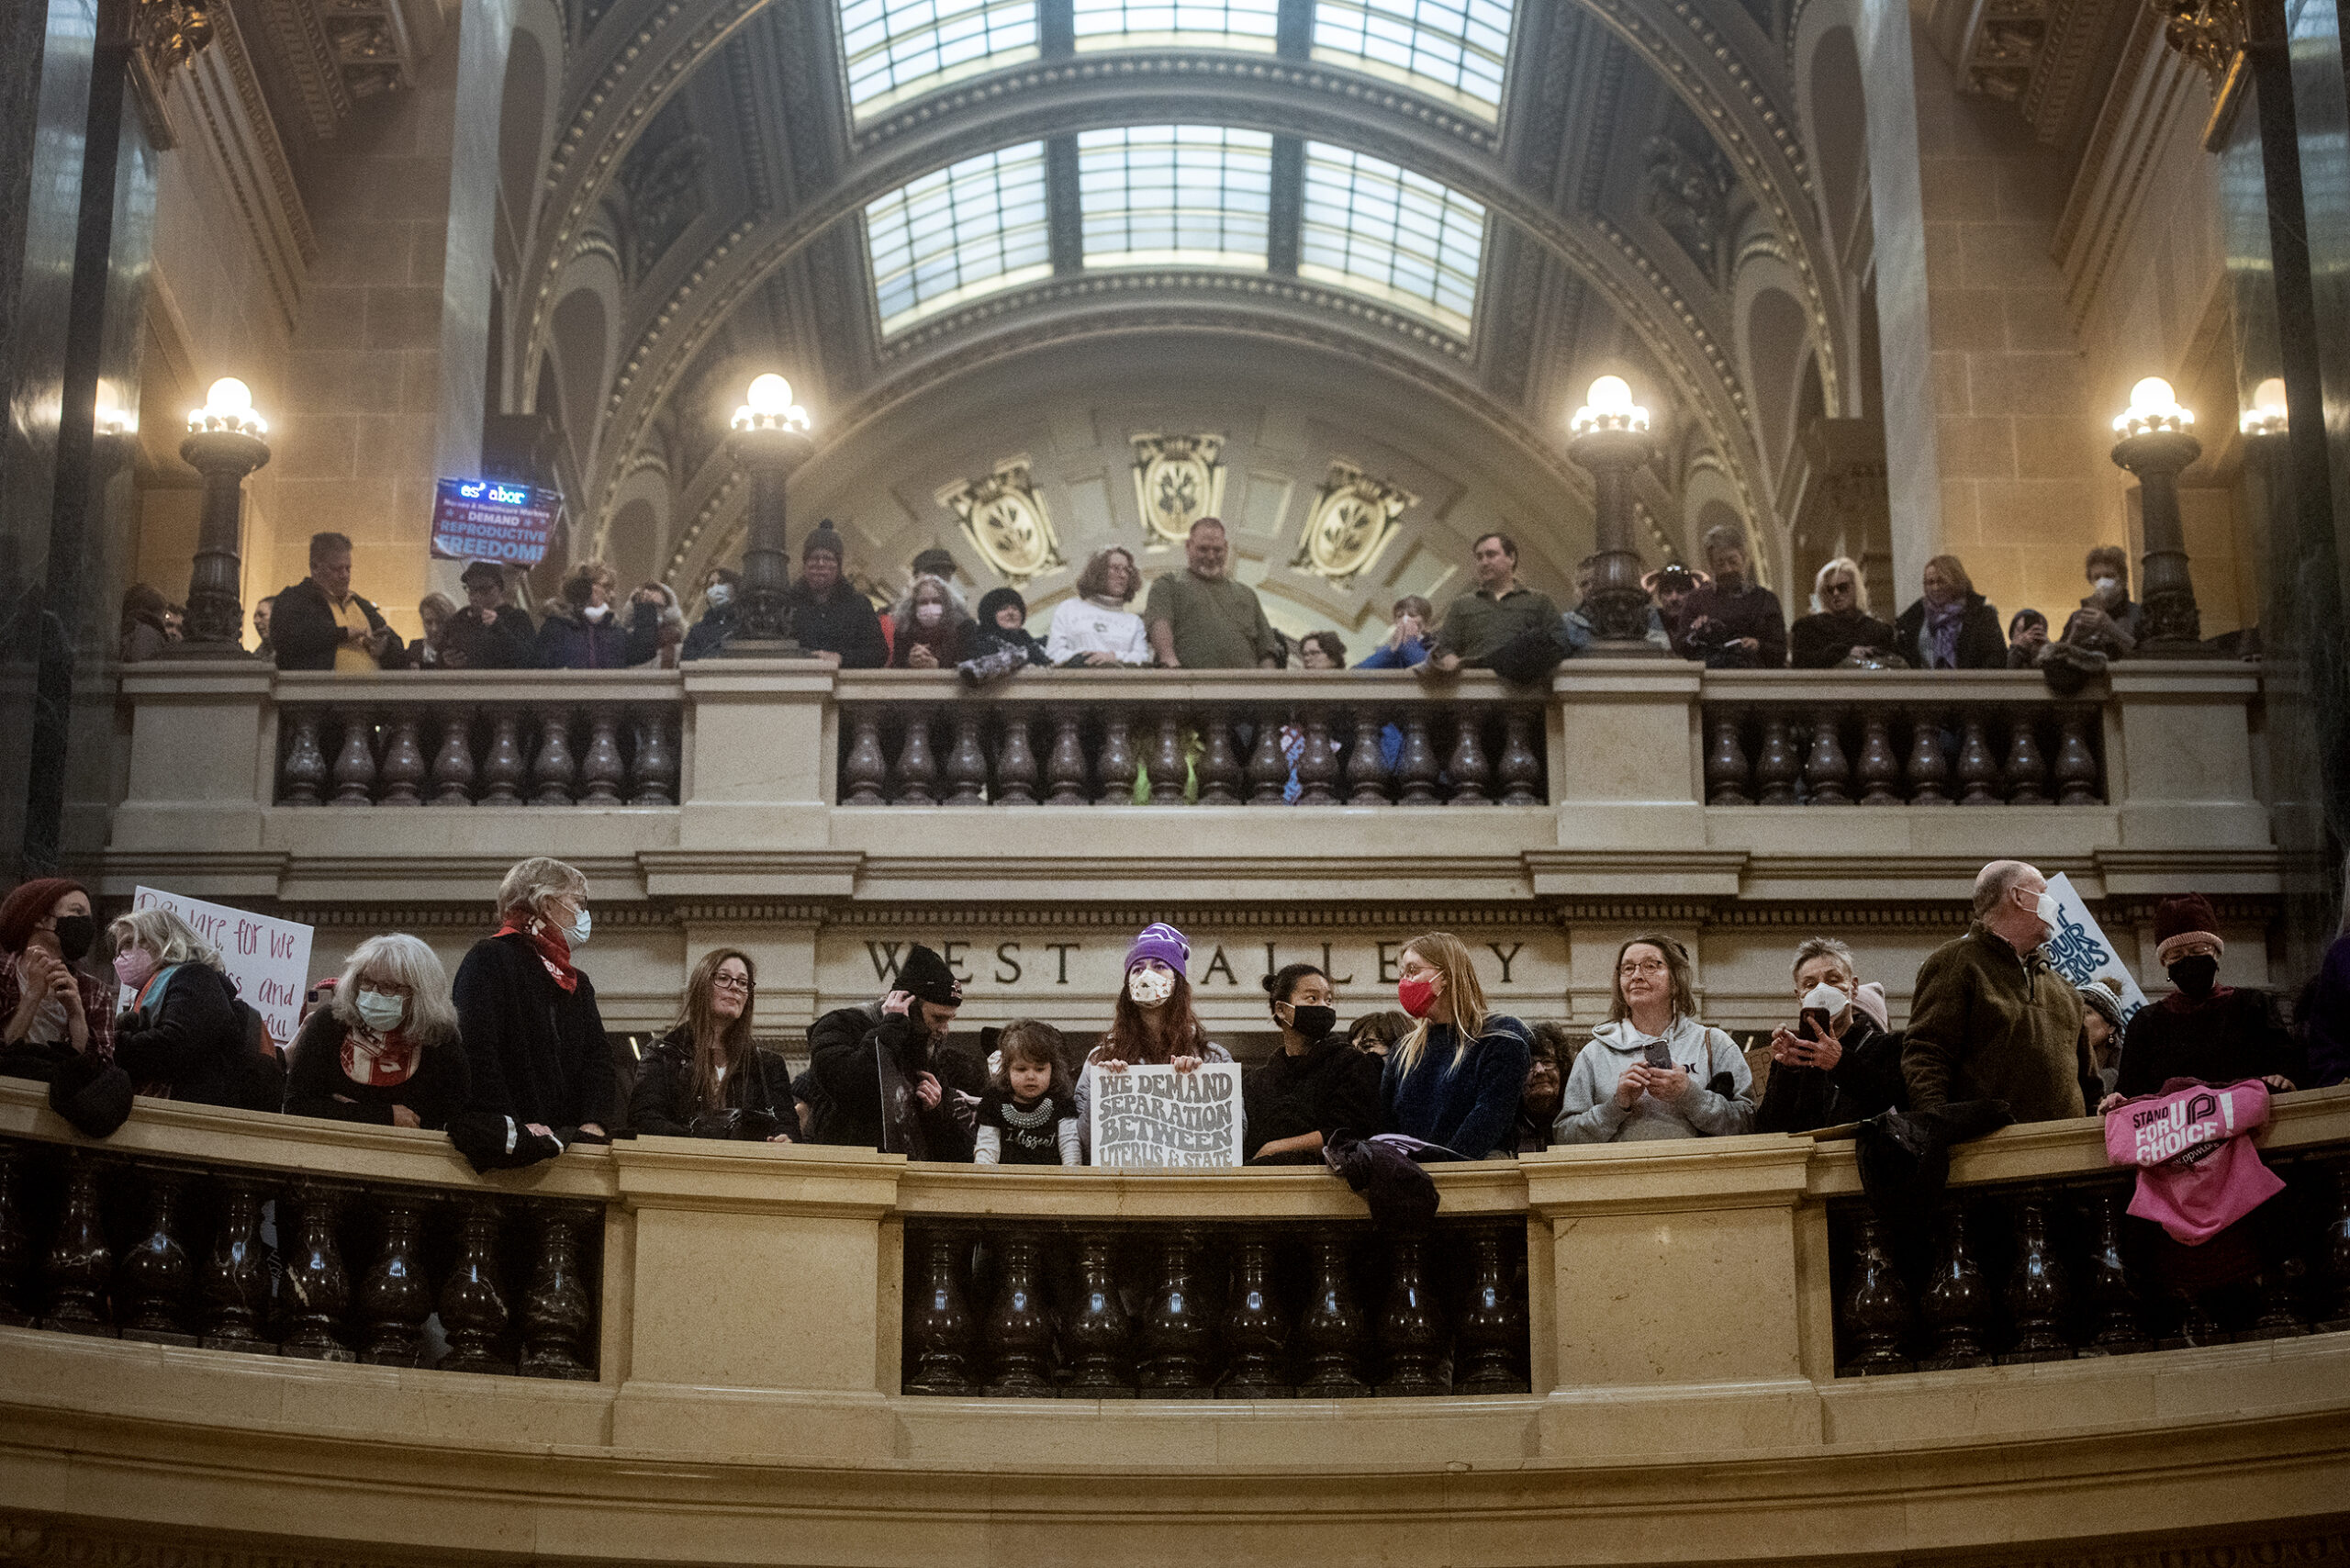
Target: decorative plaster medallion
1353 517
1179 479
1005 519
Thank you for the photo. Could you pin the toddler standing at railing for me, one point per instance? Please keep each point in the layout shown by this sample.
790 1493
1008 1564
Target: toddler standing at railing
1028 1115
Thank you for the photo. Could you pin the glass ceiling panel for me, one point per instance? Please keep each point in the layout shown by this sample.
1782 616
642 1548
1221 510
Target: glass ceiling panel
896 48
1455 48
1175 195
1395 235
970 229
1193 24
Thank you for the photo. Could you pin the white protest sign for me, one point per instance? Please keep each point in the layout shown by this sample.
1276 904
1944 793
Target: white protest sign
1157 1119
268 958
2080 952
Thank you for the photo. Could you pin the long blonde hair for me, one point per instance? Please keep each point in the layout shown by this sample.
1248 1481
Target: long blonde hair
1448 956
164 933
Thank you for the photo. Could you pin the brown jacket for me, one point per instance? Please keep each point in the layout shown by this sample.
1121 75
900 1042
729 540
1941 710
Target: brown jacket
1991 1024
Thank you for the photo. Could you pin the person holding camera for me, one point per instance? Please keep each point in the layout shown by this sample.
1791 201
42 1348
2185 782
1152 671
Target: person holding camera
704 1078
1836 1065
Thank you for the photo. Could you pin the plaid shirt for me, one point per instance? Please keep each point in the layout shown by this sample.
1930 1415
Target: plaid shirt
97 1004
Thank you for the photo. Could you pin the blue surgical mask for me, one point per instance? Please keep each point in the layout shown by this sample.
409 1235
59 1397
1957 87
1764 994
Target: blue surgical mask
380 1013
719 595
578 929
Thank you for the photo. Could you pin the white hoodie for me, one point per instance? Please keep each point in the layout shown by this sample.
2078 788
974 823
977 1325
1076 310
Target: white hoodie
1587 1109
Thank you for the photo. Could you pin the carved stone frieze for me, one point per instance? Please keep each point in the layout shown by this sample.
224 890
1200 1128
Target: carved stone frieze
662 180
1686 187
1179 479
1354 518
1005 519
340 54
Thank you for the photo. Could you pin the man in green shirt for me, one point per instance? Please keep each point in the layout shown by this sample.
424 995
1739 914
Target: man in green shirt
1479 623
1201 619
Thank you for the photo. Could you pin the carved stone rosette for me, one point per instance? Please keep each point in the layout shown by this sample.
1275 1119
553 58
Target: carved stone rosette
1004 518
1179 479
1353 519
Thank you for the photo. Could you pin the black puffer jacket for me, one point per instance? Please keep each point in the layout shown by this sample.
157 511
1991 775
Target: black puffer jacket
189 1037
1332 1086
1865 1080
848 1050
663 1104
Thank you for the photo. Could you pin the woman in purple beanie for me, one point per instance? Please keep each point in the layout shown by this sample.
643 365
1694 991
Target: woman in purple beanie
1154 1024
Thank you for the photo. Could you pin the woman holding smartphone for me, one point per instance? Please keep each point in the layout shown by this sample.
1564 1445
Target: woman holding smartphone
1653 1071
1837 1065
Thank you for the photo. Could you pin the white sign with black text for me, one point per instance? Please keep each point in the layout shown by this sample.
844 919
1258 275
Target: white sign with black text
1154 1118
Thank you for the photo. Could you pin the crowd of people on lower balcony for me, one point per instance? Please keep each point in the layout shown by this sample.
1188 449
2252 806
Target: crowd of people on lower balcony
1202 617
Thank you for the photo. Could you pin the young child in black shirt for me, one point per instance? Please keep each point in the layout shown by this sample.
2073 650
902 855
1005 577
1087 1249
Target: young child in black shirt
1028 1115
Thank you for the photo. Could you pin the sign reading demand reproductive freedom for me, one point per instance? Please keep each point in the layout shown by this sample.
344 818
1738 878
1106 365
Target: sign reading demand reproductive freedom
1157 1119
269 959
2080 951
493 519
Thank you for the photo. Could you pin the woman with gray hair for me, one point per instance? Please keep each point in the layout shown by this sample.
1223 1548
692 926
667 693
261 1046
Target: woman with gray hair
386 1048
184 1037
541 1070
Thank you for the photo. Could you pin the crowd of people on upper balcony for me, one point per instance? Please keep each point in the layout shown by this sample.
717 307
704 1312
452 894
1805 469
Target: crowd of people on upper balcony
1201 617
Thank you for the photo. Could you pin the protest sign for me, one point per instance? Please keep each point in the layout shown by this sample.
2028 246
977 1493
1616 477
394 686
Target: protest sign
268 958
2080 952
1157 1119
493 519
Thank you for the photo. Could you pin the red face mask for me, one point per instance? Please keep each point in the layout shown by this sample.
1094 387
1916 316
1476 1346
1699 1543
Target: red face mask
1417 994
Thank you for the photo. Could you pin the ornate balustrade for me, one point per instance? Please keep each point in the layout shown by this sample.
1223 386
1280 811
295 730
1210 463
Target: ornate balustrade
1911 747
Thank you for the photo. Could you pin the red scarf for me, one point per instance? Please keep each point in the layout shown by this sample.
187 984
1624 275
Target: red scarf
553 951
378 1059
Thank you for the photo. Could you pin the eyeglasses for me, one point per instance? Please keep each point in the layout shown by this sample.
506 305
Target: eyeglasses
731 982
1641 966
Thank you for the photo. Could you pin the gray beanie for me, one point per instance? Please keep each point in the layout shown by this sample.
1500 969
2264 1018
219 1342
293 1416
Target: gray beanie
2099 994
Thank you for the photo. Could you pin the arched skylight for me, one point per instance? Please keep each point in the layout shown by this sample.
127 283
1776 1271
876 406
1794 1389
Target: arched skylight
1397 236
1193 24
1175 195
898 47
1454 48
970 229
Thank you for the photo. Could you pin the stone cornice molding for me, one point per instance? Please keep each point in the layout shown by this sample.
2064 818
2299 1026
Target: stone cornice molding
2153 89
223 96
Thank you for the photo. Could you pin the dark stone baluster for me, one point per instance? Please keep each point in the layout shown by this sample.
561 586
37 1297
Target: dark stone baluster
1491 1340
153 1282
401 778
2027 770
1928 767
1368 783
1019 1335
1827 773
1255 1329
913 781
394 1299
1317 765
655 773
1958 1302
1178 1337
235 1291
1880 768
1778 767
355 763
556 1312
864 772
1978 770
80 1264
1411 1329
1473 774
1521 766
966 765
1267 769
552 770
502 769
938 1326
16 1242
1015 762
2035 1294
1333 1333
1098 1338
305 773
2197 1328
317 1286
2333 1256
1220 765
1726 768
1874 1314
453 763
2076 780
601 771
1417 770
2279 1281
1167 763
473 1307
1119 761
1065 768
2116 1328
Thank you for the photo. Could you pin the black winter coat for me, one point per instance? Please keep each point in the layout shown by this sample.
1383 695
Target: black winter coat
568 641
845 1051
1822 640
1982 645
2232 1036
305 631
504 642
435 1091
1864 1081
537 1052
709 634
191 1038
662 1103
1333 1085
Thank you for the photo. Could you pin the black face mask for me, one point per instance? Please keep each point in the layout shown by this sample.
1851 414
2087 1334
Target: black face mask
75 935
1313 1021
2196 976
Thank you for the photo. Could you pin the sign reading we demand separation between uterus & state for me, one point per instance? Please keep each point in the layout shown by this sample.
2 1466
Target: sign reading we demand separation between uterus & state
269 959
1157 1119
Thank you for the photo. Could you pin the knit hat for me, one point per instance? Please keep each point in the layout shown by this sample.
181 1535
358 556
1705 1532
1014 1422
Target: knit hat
936 562
2183 920
28 906
924 975
1869 997
996 598
2099 994
483 572
1161 941
822 537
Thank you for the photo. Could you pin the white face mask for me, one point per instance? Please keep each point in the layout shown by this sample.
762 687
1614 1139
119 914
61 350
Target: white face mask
380 1013
596 612
1150 987
2108 589
1827 999
2050 915
929 614
720 596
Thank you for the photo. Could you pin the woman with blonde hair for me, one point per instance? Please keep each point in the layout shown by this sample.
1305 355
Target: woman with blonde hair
384 1049
704 1078
1950 626
1457 1078
1839 626
1653 1070
182 1038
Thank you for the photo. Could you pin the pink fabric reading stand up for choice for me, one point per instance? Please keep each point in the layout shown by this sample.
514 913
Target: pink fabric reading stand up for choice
2198 1171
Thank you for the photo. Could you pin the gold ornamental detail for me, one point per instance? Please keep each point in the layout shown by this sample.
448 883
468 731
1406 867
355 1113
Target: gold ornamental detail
1354 517
1179 479
1005 519
2210 35
170 33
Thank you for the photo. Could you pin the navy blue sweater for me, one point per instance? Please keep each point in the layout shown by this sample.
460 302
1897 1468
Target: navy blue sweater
1471 1111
